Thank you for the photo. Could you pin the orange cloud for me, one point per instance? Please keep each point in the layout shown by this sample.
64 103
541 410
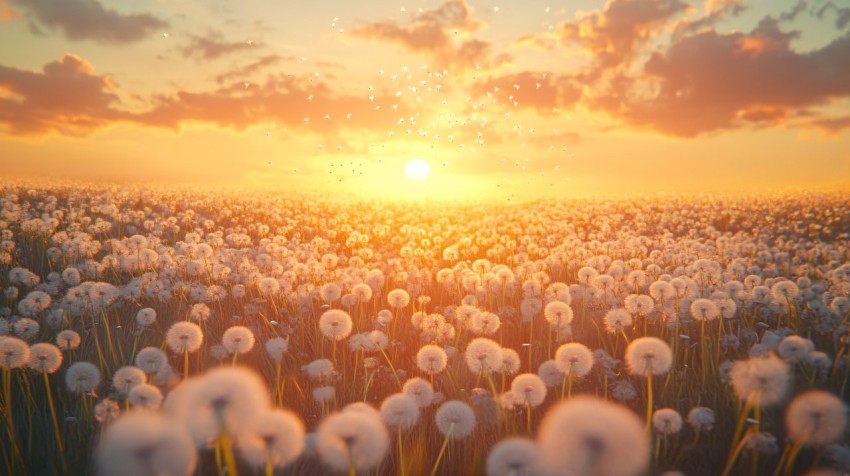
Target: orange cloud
543 92
433 33
89 20
214 46
613 33
68 97
7 13
707 82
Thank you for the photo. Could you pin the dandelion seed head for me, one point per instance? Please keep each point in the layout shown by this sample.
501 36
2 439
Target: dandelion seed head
421 391
145 317
400 410
335 324
139 444
82 377
512 456
764 380
356 437
816 418
455 419
667 421
145 396
701 418
276 347
45 357
184 336
431 359
528 389
587 435
574 359
648 355
238 339
274 434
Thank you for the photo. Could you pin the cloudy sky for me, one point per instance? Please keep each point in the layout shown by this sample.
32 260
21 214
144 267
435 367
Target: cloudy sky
503 99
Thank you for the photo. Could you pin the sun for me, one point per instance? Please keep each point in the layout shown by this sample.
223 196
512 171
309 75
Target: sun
417 169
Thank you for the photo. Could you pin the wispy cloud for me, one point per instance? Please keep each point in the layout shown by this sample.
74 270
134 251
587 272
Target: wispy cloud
68 97
89 20
440 35
213 45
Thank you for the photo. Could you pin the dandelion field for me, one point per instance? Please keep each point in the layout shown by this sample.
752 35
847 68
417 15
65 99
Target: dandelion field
155 331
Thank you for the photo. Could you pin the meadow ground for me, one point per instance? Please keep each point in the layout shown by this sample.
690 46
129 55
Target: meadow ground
166 332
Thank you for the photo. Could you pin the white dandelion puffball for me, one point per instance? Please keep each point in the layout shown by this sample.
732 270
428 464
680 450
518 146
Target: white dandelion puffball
151 359
816 418
550 373
574 359
528 389
648 355
483 355
145 317
558 313
667 421
128 377
140 444
398 298
455 419
82 377
238 339
617 320
145 396
763 380
400 410
184 336
431 359
14 352
223 399
335 324
274 434
512 457
68 339
352 436
421 391
45 357
587 435
276 347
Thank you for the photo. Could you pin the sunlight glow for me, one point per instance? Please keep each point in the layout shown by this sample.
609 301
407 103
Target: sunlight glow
417 169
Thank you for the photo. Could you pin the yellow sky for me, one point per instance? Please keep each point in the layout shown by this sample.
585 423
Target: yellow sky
511 101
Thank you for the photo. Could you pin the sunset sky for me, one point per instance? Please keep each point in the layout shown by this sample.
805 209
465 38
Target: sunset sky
502 99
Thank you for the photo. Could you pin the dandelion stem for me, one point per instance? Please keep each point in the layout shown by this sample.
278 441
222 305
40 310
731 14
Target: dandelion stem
443 449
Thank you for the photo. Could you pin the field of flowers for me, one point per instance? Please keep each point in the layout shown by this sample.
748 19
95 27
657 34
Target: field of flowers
167 332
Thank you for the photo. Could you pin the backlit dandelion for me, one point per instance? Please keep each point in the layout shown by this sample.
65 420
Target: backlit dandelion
483 355
586 435
617 320
431 359
335 324
816 418
273 440
667 421
763 381
512 456
648 355
184 337
421 391
45 357
142 444
238 340
455 419
82 377
352 440
400 410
